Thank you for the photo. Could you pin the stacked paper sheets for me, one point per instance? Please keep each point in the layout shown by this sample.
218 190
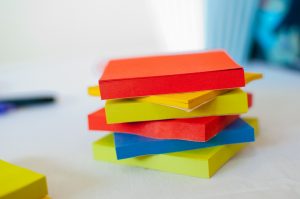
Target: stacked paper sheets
176 113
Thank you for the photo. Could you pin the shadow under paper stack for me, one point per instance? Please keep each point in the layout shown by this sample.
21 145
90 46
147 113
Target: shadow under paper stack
174 113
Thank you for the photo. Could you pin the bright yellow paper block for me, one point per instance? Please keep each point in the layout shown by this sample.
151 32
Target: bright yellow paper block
47 197
94 91
130 110
202 163
186 101
20 183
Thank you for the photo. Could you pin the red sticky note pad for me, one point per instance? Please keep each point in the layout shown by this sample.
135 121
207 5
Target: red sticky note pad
127 78
193 129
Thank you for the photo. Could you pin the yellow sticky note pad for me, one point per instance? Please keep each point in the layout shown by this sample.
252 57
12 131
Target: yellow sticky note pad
185 101
253 121
20 183
94 91
202 163
130 110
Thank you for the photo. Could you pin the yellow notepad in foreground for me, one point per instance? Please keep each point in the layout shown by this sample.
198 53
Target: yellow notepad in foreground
20 183
186 101
203 163
129 110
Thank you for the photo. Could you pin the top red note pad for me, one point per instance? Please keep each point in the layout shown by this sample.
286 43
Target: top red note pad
134 77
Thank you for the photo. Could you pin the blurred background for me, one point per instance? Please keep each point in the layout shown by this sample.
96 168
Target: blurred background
35 30
58 48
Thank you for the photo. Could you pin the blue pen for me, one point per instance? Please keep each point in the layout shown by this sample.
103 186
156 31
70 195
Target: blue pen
7 105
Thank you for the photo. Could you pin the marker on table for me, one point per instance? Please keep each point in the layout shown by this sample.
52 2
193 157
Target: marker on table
8 104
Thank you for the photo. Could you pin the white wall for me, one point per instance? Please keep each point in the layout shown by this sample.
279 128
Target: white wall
57 29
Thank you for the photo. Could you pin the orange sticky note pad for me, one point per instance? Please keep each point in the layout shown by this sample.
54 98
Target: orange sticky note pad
143 76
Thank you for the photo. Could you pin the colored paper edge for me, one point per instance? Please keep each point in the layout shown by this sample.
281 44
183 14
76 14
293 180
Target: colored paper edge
172 84
188 104
188 165
151 66
94 91
206 167
205 131
249 77
144 147
120 111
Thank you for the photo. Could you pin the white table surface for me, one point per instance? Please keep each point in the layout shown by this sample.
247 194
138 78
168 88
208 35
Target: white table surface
54 140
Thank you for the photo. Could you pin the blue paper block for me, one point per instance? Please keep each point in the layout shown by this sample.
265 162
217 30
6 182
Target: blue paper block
128 145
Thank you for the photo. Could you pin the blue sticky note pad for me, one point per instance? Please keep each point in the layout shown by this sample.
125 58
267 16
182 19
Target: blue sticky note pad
128 145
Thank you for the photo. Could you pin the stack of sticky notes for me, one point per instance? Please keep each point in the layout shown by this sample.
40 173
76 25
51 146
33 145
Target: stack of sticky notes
20 183
175 113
